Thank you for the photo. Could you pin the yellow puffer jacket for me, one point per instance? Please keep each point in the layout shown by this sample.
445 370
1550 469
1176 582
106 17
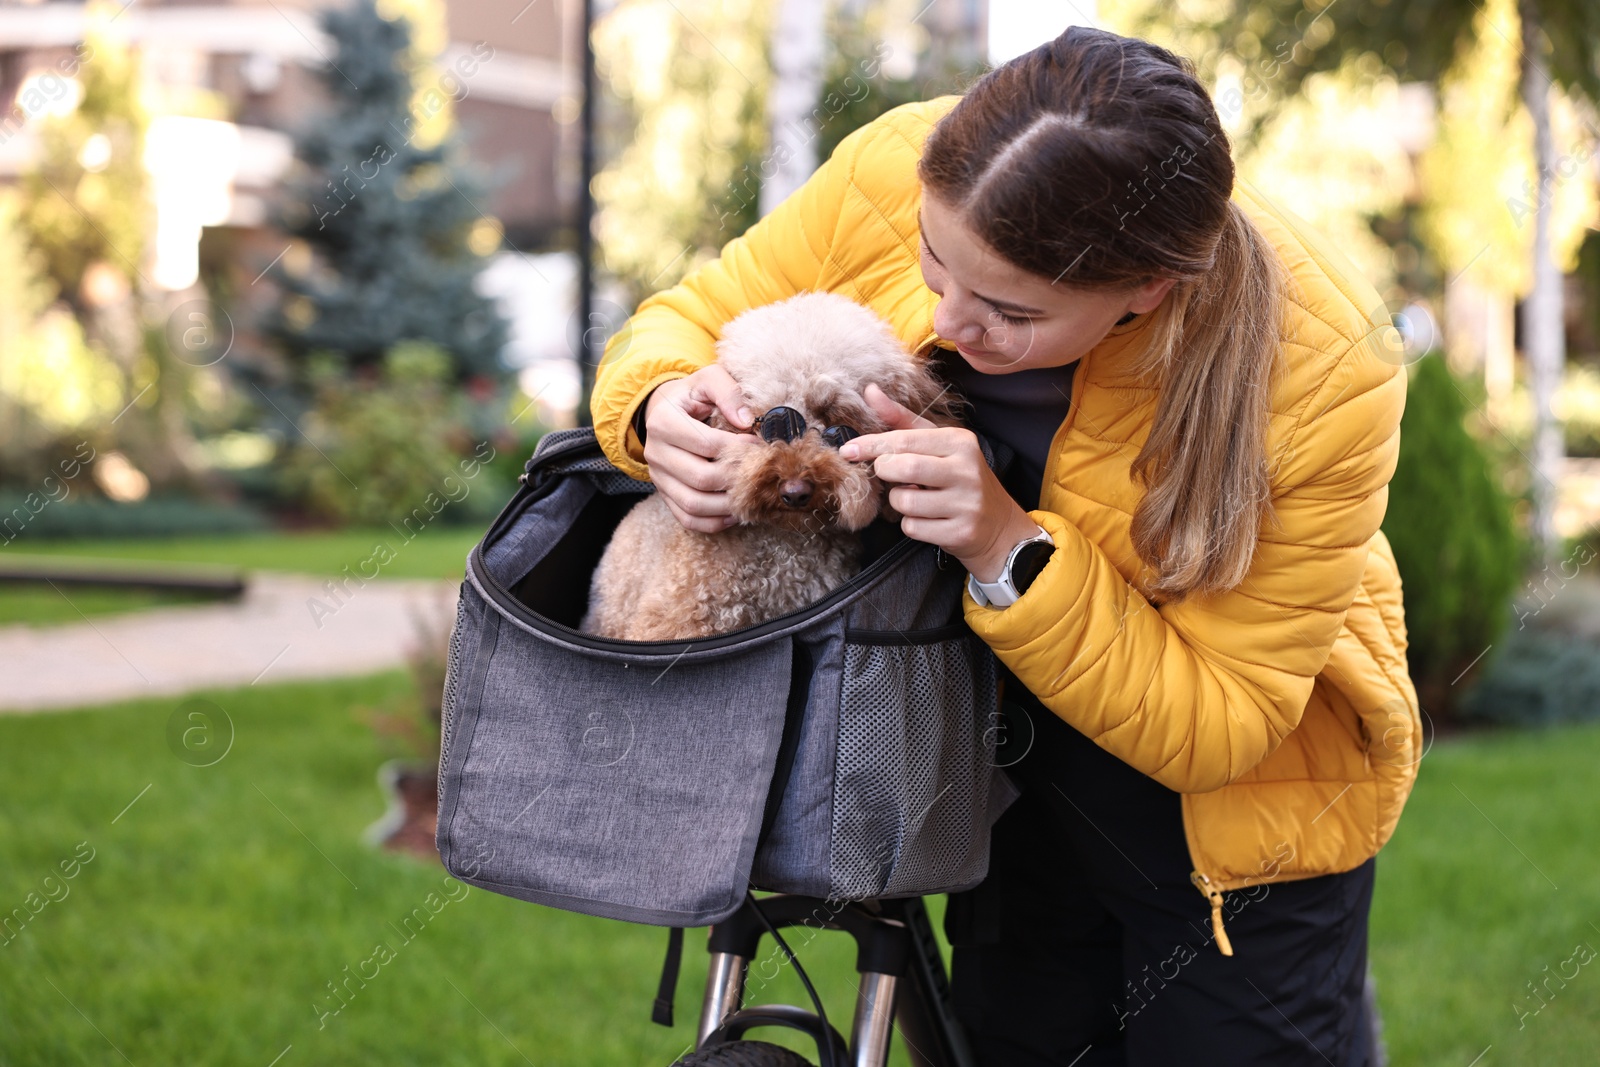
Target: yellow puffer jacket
1281 710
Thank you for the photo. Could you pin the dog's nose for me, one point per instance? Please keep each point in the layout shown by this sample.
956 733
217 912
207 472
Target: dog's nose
796 492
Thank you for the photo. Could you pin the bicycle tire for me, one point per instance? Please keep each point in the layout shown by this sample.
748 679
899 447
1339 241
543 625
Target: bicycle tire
744 1054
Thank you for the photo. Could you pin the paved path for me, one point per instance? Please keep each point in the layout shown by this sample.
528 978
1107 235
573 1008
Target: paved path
290 626
286 626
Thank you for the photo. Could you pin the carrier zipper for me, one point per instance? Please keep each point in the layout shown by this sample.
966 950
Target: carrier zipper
577 444
1213 894
501 597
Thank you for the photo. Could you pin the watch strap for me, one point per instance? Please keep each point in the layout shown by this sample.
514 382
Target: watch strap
1003 592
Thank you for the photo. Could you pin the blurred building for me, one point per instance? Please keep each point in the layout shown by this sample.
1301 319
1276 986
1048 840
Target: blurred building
238 78
228 83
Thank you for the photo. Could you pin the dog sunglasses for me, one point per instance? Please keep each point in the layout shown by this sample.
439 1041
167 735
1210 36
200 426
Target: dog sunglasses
786 424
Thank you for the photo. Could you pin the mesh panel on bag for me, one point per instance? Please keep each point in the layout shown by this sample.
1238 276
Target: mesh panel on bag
606 478
913 770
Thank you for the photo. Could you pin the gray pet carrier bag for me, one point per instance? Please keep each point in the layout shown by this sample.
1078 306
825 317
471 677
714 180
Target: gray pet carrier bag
843 751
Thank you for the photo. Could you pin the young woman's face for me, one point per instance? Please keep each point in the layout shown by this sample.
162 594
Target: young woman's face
1004 319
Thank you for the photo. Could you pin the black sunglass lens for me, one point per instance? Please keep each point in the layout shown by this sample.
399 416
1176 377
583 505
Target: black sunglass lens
836 436
782 424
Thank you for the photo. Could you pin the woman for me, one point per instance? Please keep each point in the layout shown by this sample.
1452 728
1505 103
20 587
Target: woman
1183 576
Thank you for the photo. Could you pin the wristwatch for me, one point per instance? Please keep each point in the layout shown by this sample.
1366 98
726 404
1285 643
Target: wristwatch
1023 565
638 415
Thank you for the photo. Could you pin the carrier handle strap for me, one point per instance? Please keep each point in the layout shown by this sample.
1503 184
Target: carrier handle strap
661 1012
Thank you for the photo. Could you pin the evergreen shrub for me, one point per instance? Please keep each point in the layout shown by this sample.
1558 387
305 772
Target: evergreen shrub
1450 524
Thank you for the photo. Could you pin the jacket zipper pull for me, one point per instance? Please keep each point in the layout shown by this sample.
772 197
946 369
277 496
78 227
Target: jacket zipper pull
1213 894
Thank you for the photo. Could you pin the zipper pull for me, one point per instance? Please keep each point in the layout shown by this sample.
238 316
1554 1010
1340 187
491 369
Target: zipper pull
1213 894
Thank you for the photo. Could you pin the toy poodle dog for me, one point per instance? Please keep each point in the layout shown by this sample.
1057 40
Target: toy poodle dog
802 365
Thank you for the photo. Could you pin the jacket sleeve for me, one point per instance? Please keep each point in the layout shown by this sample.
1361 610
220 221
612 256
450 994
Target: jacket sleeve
671 334
1196 693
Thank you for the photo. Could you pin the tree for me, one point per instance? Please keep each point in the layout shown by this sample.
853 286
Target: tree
391 219
1426 40
54 390
86 210
875 63
85 202
684 159
695 141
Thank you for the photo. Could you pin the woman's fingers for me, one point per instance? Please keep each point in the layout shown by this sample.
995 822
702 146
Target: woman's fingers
937 458
715 388
915 468
709 389
706 512
687 449
924 502
891 411
930 441
910 438
691 463
674 416
940 485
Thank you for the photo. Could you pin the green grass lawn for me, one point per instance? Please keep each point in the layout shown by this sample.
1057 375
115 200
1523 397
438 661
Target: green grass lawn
218 907
40 605
1491 878
220 902
437 552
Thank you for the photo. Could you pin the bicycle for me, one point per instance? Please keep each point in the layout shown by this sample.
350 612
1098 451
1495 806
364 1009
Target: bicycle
903 986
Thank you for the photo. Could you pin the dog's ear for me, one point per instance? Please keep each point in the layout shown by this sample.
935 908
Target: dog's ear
886 510
917 388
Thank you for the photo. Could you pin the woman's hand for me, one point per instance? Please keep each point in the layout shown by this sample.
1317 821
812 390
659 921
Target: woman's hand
945 490
688 460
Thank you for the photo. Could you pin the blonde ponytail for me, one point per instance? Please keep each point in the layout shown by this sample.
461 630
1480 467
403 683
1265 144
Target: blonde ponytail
1216 350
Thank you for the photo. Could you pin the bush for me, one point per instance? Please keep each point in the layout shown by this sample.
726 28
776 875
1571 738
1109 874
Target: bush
26 518
1451 527
1544 669
389 446
1537 678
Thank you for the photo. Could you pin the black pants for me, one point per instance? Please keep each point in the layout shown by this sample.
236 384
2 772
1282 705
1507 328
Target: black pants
1087 944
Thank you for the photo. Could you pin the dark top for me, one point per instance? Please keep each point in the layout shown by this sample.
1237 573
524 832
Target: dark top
1024 409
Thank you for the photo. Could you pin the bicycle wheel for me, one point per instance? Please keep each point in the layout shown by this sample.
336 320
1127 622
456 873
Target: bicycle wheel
744 1054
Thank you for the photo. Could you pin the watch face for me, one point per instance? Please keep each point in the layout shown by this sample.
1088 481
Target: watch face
1030 560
